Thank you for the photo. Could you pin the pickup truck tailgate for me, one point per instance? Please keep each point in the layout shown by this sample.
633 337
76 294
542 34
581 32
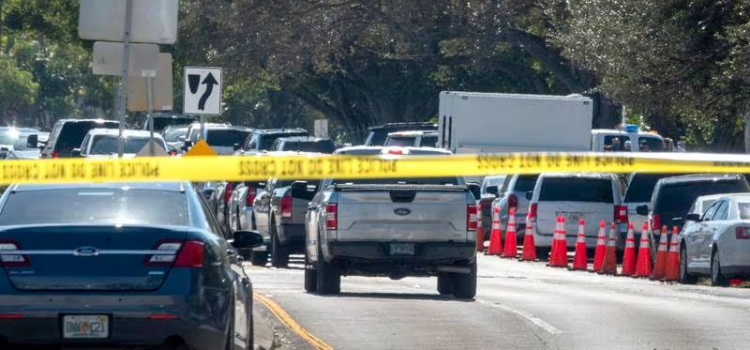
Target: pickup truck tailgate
403 213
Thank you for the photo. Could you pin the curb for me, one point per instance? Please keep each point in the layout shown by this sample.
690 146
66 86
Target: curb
263 334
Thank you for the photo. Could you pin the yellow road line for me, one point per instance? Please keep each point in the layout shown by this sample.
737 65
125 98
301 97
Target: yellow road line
290 323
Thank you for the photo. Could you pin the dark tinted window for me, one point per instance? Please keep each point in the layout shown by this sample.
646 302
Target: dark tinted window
677 198
651 144
95 206
416 181
72 134
317 147
267 140
642 186
576 190
225 137
618 145
525 183
429 141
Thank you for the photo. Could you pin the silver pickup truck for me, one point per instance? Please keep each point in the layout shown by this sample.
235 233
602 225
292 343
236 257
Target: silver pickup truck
391 227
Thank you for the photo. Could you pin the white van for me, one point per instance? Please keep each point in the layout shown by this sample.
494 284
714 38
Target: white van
588 196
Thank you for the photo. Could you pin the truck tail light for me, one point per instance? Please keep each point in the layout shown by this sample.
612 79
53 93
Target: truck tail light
286 206
512 202
742 232
332 216
532 210
655 222
621 214
250 198
471 217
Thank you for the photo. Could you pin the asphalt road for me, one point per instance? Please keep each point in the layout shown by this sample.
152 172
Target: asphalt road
518 306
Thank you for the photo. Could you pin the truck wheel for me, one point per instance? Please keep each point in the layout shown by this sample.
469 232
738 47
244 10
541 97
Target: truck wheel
311 277
465 285
279 253
258 258
329 277
444 284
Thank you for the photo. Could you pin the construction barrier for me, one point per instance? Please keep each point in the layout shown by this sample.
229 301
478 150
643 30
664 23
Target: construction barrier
265 166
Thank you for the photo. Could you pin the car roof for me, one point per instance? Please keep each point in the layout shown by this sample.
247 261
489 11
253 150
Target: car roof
404 125
365 150
87 121
305 139
126 133
414 133
698 178
579 175
279 131
167 186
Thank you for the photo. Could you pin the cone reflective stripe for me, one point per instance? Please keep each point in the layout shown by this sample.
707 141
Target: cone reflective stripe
529 248
643 266
580 261
511 246
559 256
601 247
661 255
628 260
609 267
672 270
496 243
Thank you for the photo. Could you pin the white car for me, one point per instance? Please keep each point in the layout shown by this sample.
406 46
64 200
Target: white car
717 243
102 143
592 197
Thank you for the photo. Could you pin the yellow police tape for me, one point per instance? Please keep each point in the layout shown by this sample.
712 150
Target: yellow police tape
263 167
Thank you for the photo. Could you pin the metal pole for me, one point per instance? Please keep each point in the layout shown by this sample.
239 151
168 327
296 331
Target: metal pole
203 127
149 91
125 67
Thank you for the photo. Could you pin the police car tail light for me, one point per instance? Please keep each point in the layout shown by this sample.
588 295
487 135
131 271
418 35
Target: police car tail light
332 216
742 232
170 250
471 217
191 255
8 258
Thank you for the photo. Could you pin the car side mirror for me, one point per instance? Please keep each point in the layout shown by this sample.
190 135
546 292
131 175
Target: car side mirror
76 152
529 195
32 141
492 190
642 210
693 217
246 239
236 147
475 189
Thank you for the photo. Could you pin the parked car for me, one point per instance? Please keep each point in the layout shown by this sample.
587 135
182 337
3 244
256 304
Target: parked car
242 218
391 227
220 202
488 192
304 144
68 134
419 138
673 196
587 196
716 243
378 134
144 261
263 139
164 120
222 138
29 145
511 194
103 143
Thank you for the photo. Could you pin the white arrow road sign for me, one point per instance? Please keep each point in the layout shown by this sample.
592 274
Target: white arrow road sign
202 90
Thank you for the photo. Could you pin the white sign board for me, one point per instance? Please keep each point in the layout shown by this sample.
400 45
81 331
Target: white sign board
163 92
321 128
202 90
154 21
108 58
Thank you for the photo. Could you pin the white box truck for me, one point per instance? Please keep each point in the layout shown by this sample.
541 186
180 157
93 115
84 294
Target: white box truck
476 123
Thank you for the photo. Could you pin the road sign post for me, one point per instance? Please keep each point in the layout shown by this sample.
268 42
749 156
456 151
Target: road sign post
124 82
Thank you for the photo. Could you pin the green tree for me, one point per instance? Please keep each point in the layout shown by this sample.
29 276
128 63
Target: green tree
17 88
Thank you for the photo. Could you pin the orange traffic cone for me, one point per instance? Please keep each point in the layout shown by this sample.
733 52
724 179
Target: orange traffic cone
496 241
559 257
511 246
628 260
609 267
580 261
661 255
601 248
672 272
643 267
529 248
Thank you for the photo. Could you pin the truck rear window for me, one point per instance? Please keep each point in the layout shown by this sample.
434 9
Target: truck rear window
564 189
316 147
72 134
226 137
642 186
679 197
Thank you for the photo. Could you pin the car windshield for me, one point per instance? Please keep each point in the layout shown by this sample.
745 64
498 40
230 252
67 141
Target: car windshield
95 206
226 137
107 144
556 189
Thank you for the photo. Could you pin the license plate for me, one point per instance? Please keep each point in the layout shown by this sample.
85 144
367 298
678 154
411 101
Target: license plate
402 248
85 326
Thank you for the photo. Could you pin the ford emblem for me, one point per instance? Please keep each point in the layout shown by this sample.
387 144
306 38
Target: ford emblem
402 211
86 251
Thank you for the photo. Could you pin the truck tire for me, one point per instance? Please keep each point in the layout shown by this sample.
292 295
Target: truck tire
311 276
465 285
258 258
444 284
328 276
279 253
